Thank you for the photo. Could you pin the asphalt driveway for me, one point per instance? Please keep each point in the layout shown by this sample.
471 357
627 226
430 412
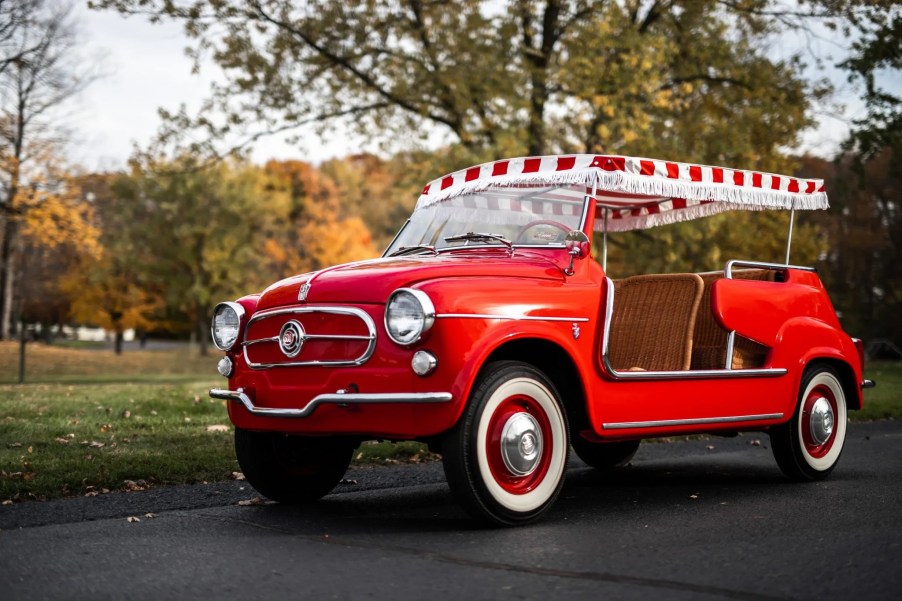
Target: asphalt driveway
688 520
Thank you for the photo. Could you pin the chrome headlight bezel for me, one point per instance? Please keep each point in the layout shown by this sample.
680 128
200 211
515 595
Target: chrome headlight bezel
423 318
224 343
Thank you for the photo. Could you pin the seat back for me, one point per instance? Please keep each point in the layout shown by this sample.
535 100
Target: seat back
654 321
709 349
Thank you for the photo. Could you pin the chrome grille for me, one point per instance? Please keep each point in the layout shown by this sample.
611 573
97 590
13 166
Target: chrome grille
337 347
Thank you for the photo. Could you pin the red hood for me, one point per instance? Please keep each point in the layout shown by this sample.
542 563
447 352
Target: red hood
372 281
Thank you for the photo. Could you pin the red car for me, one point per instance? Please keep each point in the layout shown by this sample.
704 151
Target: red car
486 331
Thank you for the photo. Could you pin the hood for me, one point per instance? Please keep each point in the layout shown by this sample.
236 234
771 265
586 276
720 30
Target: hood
372 281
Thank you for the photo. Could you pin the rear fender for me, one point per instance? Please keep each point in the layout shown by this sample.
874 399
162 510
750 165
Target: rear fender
805 340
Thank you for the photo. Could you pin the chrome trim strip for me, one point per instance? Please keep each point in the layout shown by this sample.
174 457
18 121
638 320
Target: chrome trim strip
359 313
697 374
587 200
868 384
392 243
728 270
731 343
509 317
692 422
330 399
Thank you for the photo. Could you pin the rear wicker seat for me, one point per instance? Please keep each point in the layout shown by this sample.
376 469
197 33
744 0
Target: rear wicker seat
710 339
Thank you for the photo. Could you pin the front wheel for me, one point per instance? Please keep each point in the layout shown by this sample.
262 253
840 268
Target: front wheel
809 445
505 458
292 469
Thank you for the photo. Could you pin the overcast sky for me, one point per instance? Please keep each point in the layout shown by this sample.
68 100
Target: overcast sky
146 68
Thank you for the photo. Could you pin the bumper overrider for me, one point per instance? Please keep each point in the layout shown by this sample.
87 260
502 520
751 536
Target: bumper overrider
340 398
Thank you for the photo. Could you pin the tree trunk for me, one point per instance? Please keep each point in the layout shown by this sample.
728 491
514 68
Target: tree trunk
201 326
8 256
117 341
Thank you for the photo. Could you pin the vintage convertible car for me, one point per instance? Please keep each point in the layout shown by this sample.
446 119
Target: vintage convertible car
487 332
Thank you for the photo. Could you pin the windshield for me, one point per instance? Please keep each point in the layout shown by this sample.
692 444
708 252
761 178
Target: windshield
522 215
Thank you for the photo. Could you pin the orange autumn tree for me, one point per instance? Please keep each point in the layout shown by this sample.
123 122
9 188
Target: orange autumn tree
320 232
57 233
103 287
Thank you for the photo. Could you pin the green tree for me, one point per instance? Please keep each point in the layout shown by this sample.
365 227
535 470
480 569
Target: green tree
523 76
193 234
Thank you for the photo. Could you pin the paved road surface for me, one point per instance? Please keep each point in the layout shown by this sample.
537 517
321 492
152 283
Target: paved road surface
683 522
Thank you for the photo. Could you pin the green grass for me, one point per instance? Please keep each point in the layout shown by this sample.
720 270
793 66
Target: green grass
885 400
87 421
60 440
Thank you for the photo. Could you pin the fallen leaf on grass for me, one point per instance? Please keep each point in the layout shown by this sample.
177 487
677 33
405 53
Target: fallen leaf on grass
8 502
254 501
236 476
14 445
62 440
126 414
217 428
132 519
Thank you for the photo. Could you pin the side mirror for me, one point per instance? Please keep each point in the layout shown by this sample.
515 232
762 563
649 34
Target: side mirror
578 245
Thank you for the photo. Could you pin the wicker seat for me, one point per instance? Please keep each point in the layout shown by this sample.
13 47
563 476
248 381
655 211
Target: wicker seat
709 349
653 322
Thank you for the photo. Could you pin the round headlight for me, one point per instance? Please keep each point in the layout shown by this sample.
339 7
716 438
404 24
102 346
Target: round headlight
226 324
408 315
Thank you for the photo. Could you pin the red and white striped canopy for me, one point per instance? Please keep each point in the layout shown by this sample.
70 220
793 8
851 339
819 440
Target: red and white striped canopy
638 193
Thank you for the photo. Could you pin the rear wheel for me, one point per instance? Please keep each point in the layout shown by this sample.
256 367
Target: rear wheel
292 469
605 455
506 456
809 445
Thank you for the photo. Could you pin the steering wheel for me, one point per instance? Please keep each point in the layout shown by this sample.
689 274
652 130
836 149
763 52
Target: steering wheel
521 234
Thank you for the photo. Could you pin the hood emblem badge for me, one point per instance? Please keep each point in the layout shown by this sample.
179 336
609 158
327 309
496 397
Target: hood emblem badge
302 293
291 338
576 332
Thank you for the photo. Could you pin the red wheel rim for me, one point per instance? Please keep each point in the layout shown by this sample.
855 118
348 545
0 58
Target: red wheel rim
812 446
512 483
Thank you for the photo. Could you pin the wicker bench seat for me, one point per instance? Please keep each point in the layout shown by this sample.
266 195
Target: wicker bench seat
653 322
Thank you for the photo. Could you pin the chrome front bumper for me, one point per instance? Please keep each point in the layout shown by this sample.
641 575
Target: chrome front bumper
331 399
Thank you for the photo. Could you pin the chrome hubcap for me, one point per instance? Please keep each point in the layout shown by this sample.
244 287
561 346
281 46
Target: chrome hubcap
822 420
521 444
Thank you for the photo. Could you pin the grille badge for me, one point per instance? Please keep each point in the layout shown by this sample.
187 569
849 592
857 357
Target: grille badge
291 338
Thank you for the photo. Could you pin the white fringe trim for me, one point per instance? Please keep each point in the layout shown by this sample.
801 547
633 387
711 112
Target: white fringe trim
742 197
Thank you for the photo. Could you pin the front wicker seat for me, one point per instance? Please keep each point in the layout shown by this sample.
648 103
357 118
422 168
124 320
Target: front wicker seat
653 322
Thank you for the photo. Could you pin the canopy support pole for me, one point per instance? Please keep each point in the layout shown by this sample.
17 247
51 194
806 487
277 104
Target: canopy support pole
792 214
604 241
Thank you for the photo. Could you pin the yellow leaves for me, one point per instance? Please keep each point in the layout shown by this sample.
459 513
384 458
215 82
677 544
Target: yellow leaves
59 219
333 242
